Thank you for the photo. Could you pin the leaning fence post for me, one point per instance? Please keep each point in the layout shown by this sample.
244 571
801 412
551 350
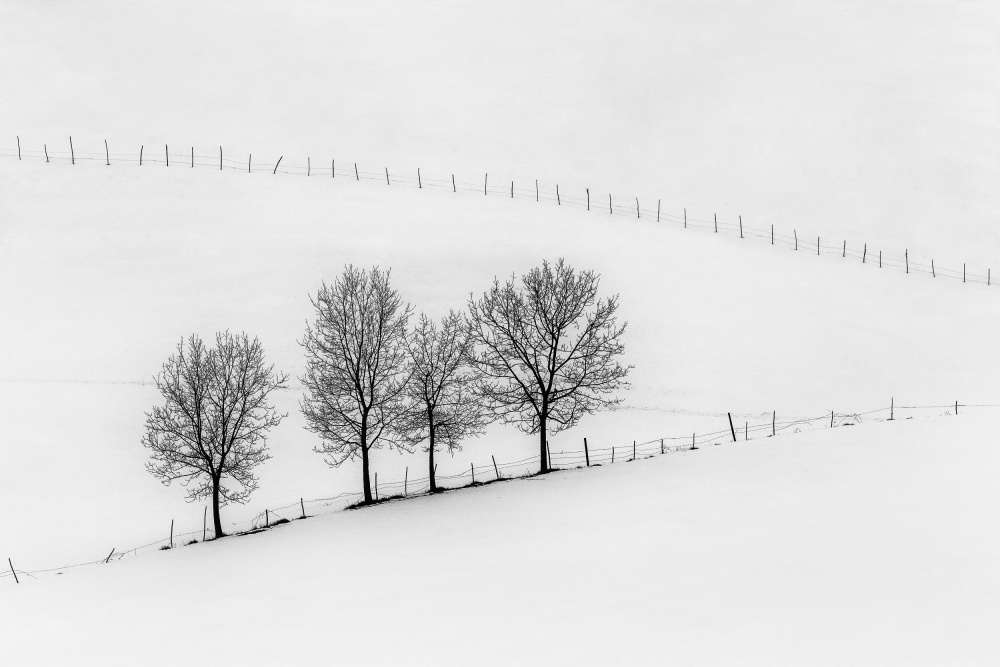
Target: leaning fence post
303 506
586 452
109 556
276 165
387 175
72 155
495 469
731 425
12 571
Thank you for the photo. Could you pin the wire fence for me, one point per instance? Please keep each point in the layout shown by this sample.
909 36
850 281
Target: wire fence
627 206
585 456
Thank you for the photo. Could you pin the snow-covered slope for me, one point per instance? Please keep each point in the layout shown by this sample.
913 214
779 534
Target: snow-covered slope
869 545
104 269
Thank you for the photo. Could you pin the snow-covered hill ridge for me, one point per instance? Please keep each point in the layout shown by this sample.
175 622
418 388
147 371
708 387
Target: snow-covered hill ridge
862 545
491 471
784 234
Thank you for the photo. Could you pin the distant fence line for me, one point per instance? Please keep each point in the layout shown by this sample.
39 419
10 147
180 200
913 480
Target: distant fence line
586 456
628 207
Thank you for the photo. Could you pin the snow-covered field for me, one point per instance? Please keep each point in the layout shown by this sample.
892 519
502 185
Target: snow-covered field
869 545
866 123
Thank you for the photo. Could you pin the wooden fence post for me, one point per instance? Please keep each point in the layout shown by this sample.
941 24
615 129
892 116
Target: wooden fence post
171 533
662 450
109 556
192 157
746 430
472 470
72 155
588 199
845 249
772 234
406 479
906 254
453 188
956 407
387 175
303 506
495 468
536 188
685 218
267 519
512 189
558 198
204 524
637 207
612 453
817 246
933 273
831 418
796 232
586 452
18 147
486 180
633 450
657 210
249 162
16 581
276 165
333 168
107 155
741 226
45 147
610 210
220 158
864 254
356 176
309 166
376 486
774 423
693 444
731 425
892 402
715 217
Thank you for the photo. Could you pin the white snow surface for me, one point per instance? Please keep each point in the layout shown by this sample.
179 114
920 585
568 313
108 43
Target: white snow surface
867 545
875 123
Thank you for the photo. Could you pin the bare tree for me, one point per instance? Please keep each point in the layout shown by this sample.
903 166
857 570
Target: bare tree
355 368
444 405
549 350
213 424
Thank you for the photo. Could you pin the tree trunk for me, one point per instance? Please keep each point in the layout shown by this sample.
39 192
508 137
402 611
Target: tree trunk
216 518
366 480
543 449
430 449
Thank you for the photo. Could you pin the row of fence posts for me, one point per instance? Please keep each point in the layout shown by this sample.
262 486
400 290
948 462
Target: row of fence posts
333 173
496 469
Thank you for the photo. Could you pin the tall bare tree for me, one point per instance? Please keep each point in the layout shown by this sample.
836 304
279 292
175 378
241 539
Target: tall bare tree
355 368
214 421
445 408
549 350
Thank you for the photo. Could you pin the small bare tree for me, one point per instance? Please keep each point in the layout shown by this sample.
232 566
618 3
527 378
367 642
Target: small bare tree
445 408
214 421
355 368
549 350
